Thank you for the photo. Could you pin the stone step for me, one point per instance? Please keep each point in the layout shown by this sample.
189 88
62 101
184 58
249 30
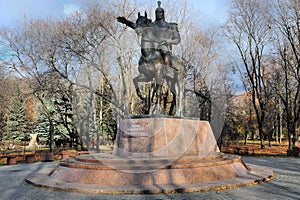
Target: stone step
147 164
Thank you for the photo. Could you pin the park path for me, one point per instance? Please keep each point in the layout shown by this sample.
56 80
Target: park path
284 186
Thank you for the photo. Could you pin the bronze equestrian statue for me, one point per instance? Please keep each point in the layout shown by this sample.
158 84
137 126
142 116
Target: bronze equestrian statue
157 62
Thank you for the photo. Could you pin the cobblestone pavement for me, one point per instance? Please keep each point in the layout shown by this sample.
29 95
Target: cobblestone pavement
284 186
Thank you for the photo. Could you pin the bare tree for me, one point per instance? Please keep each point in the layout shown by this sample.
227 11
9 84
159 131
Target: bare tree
5 92
287 25
31 51
89 48
248 29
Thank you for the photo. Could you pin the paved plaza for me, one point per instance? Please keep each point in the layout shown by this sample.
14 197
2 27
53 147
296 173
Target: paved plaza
284 186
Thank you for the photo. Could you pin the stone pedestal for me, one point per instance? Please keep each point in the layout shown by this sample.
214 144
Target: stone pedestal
154 155
164 137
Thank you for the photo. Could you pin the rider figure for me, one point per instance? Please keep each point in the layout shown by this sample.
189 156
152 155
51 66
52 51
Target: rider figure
164 46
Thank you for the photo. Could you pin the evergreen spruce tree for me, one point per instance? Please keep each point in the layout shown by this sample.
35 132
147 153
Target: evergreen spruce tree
15 128
63 118
42 127
59 110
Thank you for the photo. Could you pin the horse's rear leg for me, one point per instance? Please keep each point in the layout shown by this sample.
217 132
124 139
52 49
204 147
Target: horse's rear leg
158 96
155 107
173 103
171 83
150 98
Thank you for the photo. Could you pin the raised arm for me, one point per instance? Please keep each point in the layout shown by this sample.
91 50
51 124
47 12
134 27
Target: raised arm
123 20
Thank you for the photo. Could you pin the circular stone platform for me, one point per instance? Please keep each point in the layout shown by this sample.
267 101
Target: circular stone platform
154 155
106 173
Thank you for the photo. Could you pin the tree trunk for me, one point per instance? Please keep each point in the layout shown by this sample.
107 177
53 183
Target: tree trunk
100 118
280 128
269 138
246 136
289 132
51 134
294 134
261 135
252 134
277 132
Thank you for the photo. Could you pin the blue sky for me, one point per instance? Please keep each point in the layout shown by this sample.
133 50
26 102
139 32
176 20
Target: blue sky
211 12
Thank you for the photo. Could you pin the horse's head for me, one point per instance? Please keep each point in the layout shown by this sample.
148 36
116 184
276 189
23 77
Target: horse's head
142 22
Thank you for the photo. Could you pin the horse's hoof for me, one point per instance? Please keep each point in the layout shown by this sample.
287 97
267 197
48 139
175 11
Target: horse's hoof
177 114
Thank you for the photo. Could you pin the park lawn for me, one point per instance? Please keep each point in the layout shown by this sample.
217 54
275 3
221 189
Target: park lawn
255 149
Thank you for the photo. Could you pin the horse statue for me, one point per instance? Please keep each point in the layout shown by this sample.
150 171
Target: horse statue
152 67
